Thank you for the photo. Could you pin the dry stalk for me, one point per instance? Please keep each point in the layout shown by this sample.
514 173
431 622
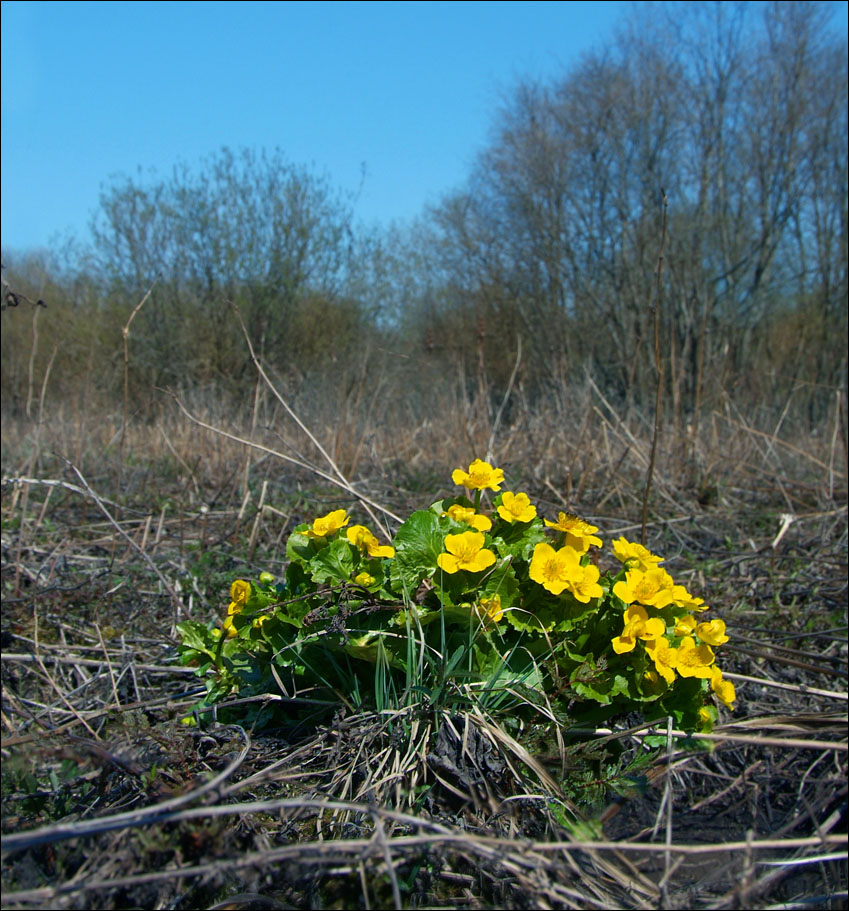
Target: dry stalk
31 363
125 333
335 480
658 400
340 477
497 422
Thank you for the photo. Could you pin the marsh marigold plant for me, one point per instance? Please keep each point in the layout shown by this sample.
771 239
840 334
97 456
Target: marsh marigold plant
485 598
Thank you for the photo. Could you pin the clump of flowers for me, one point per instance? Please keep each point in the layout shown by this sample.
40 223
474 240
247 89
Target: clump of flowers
515 599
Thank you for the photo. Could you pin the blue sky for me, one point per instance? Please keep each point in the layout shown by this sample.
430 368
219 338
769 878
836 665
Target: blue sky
407 91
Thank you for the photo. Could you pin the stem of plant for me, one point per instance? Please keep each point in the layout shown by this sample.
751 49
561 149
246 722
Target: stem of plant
659 367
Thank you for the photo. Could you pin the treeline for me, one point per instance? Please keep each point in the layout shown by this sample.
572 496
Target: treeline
736 112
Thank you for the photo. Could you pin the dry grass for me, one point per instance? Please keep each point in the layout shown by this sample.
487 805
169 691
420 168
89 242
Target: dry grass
110 802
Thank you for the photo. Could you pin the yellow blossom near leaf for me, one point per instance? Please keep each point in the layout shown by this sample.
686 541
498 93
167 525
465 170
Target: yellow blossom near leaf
516 507
724 689
685 626
705 717
694 660
583 583
554 569
364 579
634 555
230 628
492 607
713 632
240 591
579 534
328 525
465 551
651 587
665 658
480 476
468 516
682 598
363 539
637 626
627 642
644 626
257 623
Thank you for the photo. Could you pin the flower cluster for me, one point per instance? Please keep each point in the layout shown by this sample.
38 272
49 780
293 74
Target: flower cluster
516 592
687 650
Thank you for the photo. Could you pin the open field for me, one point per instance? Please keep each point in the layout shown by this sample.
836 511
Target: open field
634 306
110 802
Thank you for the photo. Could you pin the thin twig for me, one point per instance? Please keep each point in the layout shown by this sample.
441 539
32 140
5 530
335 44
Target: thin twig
658 400
342 480
125 332
343 484
497 422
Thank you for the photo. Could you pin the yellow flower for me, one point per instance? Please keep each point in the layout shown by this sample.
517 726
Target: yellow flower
665 658
229 628
362 538
480 476
694 660
685 625
516 507
579 534
637 626
682 598
584 583
364 579
652 587
493 608
468 516
713 632
624 643
465 551
328 525
554 569
724 689
257 623
634 555
240 591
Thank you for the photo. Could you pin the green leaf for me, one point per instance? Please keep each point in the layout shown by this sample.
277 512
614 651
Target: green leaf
299 547
518 540
197 636
371 647
502 582
334 563
418 543
597 682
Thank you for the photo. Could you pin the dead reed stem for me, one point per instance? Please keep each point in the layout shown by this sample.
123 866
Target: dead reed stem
658 363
